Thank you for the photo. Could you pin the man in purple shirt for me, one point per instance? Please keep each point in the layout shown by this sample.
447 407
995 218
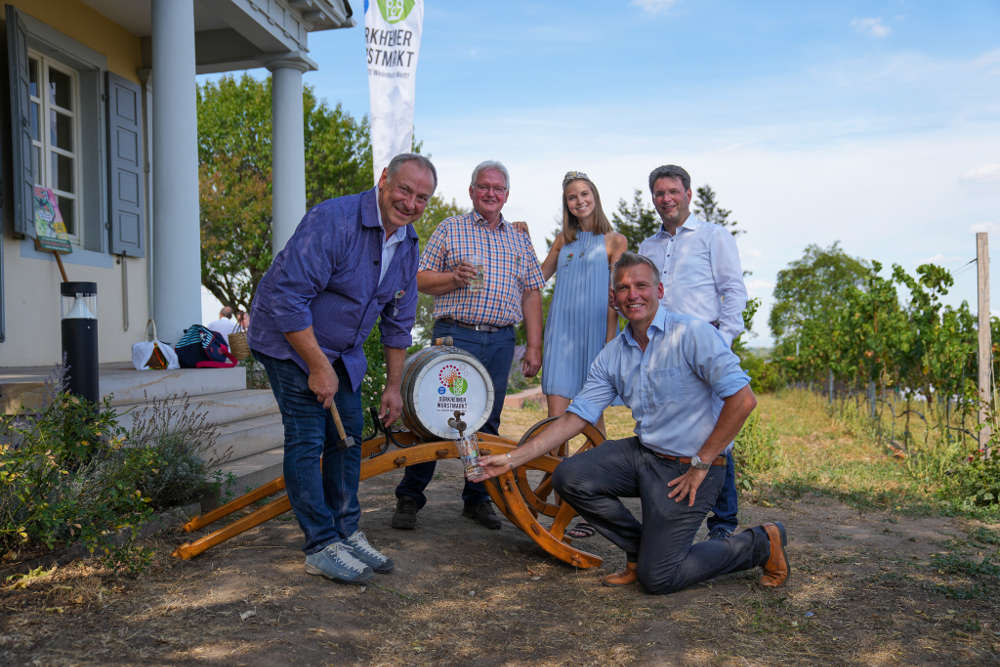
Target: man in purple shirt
351 261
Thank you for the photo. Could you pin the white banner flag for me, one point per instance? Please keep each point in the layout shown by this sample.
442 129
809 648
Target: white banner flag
392 44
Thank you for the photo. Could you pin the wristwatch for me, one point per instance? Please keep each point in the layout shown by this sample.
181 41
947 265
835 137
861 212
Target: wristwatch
698 464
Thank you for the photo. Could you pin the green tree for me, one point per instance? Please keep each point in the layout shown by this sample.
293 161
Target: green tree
707 208
812 286
635 221
234 152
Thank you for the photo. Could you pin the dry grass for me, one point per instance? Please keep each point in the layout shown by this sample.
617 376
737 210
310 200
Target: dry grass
827 455
867 587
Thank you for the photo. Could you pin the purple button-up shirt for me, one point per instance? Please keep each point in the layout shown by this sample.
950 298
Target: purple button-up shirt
327 276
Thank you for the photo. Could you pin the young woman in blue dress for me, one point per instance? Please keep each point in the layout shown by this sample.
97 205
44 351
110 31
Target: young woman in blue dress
580 320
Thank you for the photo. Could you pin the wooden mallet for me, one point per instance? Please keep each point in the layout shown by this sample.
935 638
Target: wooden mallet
345 440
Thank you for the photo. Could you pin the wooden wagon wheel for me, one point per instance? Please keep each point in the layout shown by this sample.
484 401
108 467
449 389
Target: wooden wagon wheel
510 499
537 497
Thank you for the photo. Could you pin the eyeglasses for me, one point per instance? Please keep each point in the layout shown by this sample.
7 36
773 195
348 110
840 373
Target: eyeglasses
574 176
497 189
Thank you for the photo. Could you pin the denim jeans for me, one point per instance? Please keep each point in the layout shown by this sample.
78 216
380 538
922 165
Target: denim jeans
727 506
495 351
323 495
594 480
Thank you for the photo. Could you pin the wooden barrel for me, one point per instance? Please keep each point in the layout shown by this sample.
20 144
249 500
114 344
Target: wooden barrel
437 381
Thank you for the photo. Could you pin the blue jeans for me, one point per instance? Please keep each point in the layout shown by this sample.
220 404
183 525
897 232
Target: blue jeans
495 351
727 506
320 478
662 544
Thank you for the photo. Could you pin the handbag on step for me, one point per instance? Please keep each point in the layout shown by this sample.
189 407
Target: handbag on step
153 354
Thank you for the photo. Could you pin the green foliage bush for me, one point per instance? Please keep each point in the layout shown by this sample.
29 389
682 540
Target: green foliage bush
974 482
66 476
765 376
180 442
70 474
756 451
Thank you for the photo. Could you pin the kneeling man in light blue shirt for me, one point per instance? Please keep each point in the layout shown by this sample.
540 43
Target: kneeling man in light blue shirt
689 397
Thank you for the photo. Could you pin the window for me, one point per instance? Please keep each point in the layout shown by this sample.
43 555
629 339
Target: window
54 116
77 129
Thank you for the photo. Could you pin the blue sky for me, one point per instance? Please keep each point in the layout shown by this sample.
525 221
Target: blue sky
873 123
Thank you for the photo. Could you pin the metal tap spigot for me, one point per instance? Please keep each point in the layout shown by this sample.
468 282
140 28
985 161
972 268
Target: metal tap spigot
457 423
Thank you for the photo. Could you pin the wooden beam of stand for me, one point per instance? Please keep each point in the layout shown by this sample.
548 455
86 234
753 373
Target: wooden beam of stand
276 507
269 489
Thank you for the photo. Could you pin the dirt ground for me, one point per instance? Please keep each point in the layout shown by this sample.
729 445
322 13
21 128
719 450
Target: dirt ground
865 588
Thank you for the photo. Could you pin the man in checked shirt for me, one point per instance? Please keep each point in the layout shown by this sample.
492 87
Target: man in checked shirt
479 318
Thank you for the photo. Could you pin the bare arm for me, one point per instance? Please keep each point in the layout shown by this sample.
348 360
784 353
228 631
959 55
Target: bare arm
552 259
437 283
558 432
531 306
392 400
735 411
322 378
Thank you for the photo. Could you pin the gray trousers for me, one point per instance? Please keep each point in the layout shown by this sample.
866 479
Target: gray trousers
594 480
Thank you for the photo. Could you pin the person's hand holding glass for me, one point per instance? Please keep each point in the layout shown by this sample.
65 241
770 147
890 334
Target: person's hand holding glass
470 272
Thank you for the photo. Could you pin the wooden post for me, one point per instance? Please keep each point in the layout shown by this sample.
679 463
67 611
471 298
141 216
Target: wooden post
985 342
829 385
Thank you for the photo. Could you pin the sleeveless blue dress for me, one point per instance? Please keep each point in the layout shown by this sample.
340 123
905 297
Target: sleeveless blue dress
578 316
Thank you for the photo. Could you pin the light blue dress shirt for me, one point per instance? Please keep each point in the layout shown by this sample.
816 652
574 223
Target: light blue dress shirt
701 273
390 244
674 388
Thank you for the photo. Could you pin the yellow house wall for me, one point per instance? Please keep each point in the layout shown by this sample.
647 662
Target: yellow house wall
31 284
78 21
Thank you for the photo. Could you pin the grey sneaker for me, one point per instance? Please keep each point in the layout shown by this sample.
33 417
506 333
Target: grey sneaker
368 554
337 562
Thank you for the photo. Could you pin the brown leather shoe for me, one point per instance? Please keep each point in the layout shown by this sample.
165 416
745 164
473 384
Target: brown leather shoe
629 575
776 568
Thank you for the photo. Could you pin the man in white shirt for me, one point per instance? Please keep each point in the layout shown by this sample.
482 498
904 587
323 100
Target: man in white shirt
224 325
702 277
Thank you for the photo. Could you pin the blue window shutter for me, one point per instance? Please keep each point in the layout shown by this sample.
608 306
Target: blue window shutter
125 172
20 124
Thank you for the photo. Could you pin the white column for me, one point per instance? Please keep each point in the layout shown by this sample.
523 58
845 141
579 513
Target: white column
176 237
288 156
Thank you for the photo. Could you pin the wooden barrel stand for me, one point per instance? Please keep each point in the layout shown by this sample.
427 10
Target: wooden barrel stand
513 493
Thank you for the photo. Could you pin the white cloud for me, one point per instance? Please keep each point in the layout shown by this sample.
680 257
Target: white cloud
941 259
988 227
872 27
654 6
755 285
984 173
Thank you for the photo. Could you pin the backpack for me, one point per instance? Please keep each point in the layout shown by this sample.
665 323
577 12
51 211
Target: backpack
201 347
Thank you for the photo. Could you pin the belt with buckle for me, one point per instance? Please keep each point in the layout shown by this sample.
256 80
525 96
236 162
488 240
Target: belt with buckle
489 328
720 460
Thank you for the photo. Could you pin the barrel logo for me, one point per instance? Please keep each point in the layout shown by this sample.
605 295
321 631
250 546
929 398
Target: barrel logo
451 380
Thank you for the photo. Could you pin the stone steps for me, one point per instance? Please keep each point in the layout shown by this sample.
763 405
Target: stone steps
220 408
248 423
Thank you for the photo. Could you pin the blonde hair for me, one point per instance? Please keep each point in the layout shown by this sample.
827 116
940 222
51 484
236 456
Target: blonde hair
570 222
